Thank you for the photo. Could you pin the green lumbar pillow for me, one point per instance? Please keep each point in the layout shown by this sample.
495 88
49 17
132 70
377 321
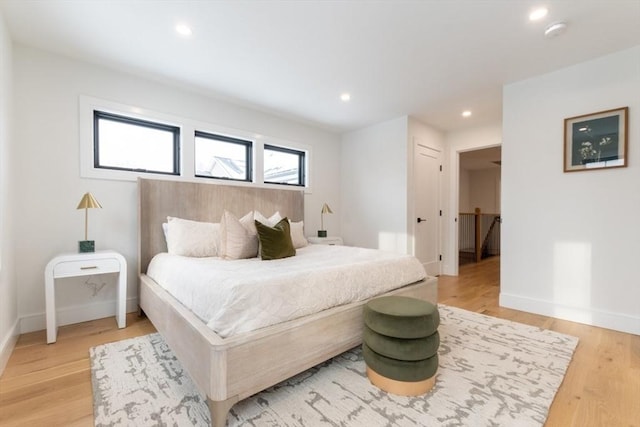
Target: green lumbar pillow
275 242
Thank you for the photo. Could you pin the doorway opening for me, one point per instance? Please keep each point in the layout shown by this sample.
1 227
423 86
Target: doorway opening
479 204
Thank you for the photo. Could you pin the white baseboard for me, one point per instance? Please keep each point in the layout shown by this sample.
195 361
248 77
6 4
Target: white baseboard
76 314
604 319
7 345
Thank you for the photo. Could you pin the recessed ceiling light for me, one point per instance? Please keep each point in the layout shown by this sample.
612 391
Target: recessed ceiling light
345 97
539 13
183 30
466 113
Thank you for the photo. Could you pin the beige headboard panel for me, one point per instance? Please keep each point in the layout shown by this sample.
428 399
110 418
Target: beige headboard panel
158 199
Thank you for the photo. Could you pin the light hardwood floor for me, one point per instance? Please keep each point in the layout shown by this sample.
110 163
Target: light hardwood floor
50 385
602 385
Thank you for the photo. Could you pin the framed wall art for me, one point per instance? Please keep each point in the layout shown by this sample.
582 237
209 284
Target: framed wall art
596 141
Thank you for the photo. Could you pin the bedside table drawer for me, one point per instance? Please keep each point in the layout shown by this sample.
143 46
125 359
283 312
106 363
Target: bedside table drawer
86 267
331 240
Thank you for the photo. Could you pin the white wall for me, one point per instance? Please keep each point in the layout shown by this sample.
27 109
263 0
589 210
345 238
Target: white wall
483 190
46 162
374 186
464 189
459 142
8 285
377 183
570 240
478 188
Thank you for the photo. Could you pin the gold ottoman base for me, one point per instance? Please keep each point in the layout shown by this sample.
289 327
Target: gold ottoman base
401 388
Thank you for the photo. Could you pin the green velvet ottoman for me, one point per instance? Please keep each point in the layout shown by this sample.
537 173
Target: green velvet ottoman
400 344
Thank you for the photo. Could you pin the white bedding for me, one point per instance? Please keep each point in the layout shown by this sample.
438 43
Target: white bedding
243 295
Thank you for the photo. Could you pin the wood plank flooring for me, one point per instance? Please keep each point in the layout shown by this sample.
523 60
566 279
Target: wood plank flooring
602 385
50 385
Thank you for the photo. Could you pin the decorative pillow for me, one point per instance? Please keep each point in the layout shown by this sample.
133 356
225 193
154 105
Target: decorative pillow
271 221
165 230
192 238
237 237
275 241
297 234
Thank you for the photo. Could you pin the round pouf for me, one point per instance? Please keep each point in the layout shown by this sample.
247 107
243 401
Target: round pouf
401 343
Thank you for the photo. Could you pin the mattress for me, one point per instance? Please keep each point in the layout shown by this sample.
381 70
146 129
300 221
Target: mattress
238 296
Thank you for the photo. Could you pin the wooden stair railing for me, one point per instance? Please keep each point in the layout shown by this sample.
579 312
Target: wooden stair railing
478 240
485 244
473 241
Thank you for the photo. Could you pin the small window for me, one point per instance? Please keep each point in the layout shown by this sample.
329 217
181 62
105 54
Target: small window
222 157
284 166
125 143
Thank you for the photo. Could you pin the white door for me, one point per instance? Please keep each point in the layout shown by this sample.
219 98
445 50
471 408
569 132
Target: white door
427 214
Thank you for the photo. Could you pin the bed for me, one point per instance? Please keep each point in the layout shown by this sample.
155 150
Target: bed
230 369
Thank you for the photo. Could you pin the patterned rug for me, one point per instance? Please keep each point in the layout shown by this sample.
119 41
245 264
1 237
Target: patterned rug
492 372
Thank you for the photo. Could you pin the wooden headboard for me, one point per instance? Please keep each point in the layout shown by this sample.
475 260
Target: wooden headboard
158 199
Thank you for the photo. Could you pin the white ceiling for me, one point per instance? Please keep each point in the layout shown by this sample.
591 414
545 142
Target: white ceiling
486 158
430 59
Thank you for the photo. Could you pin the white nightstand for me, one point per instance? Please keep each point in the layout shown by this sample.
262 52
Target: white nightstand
331 240
84 264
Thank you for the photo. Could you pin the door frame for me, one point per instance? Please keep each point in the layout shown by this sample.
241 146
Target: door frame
454 203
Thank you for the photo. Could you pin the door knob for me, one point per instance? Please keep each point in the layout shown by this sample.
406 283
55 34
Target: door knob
420 220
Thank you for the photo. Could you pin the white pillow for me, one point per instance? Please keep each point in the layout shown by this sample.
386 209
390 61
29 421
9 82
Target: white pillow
238 237
297 234
271 221
165 230
192 238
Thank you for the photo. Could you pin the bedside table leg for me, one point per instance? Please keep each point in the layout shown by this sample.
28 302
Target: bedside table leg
50 306
121 315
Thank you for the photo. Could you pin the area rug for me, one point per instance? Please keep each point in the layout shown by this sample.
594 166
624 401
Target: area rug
492 372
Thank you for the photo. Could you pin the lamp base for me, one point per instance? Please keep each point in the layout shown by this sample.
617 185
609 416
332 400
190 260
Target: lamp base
86 246
322 233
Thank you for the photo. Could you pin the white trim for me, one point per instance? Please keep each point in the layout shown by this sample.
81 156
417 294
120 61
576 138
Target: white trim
88 104
604 319
8 344
86 107
452 258
76 314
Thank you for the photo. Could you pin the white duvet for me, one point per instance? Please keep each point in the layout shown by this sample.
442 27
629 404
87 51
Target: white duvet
243 295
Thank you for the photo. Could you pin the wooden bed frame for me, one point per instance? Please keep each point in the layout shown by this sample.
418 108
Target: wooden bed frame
230 369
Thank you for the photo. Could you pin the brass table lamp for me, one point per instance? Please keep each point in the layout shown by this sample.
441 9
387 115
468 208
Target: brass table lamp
325 210
87 202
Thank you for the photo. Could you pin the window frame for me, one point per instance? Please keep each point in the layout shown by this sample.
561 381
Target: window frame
175 130
248 145
88 104
302 160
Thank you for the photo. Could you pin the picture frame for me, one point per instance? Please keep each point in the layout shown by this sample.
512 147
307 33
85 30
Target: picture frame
596 140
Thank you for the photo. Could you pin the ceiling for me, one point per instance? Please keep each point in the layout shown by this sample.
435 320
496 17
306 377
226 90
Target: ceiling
486 158
429 59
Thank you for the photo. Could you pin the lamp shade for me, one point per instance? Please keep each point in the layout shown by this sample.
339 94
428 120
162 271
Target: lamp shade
326 209
88 202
